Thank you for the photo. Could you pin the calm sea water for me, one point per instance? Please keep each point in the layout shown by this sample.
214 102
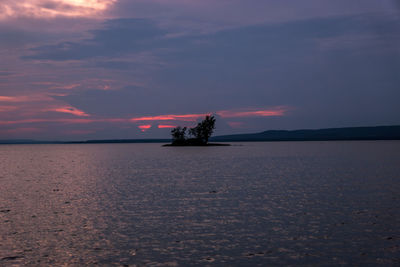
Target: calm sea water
287 203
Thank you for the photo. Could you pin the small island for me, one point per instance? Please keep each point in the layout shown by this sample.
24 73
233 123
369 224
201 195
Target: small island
199 135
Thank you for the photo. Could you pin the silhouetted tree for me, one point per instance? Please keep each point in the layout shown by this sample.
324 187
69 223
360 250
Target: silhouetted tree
203 131
178 135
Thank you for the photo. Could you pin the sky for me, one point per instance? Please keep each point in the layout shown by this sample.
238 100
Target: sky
120 69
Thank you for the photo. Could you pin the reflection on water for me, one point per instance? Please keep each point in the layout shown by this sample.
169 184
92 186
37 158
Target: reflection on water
325 203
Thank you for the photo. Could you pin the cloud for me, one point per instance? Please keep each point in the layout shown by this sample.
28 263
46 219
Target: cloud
210 15
70 110
165 126
333 69
145 127
13 99
25 98
238 67
272 112
53 8
185 117
118 37
278 111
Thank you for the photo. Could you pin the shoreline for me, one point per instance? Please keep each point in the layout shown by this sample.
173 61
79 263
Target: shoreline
210 144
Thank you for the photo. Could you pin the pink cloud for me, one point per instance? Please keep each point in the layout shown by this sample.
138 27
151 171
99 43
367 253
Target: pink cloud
71 110
186 117
164 126
141 121
13 99
22 121
66 87
144 128
24 98
278 111
53 8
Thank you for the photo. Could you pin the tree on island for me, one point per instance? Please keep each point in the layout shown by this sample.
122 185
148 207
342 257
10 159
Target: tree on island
203 131
200 134
178 135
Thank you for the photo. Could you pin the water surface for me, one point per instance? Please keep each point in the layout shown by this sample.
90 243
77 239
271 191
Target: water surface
284 203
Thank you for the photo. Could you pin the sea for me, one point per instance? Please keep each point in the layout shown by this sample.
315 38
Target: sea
248 204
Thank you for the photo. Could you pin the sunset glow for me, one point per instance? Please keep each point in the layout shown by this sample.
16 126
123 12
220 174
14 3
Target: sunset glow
13 99
144 128
25 98
138 68
186 117
71 110
162 126
52 8
280 111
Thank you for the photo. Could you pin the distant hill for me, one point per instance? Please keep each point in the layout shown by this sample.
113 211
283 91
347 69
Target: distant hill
331 134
